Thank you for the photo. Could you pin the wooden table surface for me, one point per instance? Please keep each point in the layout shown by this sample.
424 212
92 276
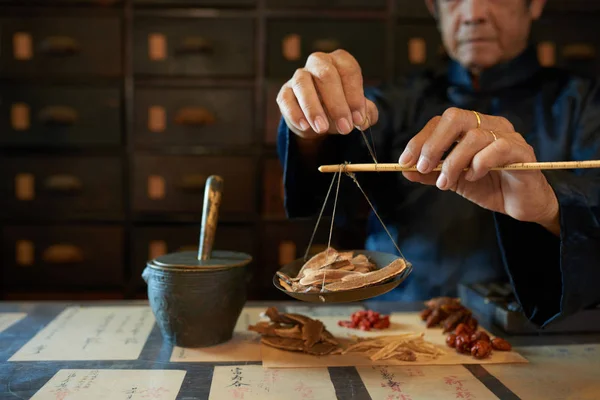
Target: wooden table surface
21 380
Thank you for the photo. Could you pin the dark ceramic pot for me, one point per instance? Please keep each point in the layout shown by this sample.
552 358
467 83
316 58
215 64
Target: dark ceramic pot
197 308
197 297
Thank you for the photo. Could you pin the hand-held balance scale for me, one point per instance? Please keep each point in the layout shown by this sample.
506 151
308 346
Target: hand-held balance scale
345 283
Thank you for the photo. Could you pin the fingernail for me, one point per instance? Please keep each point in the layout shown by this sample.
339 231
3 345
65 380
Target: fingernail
358 118
405 158
303 124
343 125
423 165
442 181
321 125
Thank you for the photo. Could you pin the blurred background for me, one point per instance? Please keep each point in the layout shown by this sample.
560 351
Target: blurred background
114 113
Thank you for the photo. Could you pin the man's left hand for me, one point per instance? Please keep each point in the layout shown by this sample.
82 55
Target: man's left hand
523 195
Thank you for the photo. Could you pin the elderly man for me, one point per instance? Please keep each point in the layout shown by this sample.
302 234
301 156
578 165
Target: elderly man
493 105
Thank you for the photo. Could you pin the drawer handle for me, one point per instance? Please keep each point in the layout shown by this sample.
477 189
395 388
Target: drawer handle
579 51
326 45
192 182
195 45
63 183
58 115
59 46
197 116
63 254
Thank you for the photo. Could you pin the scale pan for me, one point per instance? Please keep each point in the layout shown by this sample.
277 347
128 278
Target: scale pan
347 296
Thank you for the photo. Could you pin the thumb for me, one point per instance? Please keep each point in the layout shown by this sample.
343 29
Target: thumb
372 116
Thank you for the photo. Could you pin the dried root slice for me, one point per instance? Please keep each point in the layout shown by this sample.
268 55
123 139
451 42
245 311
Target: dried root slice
318 261
285 285
405 347
390 271
325 275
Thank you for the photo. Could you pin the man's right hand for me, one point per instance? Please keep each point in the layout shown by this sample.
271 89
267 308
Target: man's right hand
326 96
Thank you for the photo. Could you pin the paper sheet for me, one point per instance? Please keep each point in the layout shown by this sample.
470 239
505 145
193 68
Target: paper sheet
94 384
422 383
555 372
91 333
252 382
244 346
9 319
399 323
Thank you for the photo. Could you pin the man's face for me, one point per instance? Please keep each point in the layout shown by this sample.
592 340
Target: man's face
482 33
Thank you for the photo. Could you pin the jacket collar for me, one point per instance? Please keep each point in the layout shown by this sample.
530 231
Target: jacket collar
498 77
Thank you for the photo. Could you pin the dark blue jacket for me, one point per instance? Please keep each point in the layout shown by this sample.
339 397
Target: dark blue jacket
449 239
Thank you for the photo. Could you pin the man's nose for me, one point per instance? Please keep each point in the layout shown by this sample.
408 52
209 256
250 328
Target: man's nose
474 11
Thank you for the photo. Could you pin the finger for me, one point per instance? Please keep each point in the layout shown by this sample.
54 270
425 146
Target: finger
461 156
305 92
329 85
452 125
372 116
290 109
352 83
413 149
426 179
502 152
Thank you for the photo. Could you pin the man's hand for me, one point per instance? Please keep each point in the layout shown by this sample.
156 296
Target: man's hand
523 195
326 96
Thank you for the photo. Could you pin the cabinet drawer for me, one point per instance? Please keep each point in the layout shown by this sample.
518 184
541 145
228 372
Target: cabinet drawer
153 241
273 114
194 117
204 3
273 191
331 4
59 116
51 187
164 184
194 47
418 47
412 9
63 2
568 42
42 257
291 42
61 46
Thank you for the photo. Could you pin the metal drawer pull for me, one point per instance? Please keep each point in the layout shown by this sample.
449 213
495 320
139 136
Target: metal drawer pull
195 45
579 52
291 47
59 46
58 115
417 50
63 183
546 52
192 182
194 116
63 254
326 45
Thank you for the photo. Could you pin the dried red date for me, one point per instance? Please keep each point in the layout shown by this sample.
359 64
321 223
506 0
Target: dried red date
463 329
481 349
501 344
451 340
481 335
426 313
462 343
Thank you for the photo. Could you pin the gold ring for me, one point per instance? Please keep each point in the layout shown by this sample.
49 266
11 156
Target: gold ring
494 135
478 119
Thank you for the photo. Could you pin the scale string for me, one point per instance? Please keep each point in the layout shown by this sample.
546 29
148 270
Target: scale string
331 227
320 215
372 151
351 175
